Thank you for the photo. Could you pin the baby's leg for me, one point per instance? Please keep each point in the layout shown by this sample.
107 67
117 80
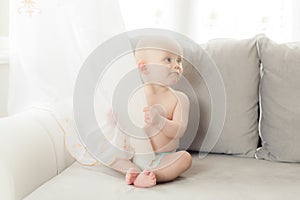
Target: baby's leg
172 165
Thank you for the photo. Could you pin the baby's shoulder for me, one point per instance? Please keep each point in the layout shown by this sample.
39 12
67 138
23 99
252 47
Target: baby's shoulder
182 97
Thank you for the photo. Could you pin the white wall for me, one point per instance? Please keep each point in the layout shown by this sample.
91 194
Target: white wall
3 89
4 4
4 21
4 74
296 22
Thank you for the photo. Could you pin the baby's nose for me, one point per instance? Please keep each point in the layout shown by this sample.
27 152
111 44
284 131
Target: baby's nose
177 67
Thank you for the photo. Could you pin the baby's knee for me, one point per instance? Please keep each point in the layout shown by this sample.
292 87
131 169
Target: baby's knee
186 159
189 159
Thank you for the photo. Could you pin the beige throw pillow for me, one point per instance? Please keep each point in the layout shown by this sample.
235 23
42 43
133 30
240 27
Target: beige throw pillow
280 101
238 63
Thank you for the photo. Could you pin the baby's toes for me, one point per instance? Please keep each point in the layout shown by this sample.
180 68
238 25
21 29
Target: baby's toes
131 176
152 175
129 179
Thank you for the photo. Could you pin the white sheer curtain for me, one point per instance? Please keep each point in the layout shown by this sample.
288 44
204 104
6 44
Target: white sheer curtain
49 40
203 20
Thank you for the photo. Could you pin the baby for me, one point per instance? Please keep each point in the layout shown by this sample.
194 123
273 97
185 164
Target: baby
159 61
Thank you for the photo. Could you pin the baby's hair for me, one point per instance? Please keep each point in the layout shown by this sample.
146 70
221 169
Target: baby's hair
162 43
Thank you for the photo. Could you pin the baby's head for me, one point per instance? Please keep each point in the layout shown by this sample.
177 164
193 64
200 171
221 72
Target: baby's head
159 59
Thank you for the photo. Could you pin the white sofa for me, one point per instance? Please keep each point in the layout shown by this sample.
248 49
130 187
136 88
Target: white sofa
35 165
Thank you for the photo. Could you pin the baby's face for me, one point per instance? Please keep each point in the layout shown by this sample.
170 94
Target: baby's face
165 58
162 67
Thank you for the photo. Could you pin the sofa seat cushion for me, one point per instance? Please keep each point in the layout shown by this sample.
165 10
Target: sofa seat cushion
213 178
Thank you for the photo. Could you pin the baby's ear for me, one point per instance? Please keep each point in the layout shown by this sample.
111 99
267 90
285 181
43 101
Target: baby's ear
142 67
140 64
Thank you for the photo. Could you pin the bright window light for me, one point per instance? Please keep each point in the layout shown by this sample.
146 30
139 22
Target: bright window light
208 19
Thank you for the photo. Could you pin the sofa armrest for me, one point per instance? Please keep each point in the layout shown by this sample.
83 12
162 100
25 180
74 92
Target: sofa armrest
31 152
6 182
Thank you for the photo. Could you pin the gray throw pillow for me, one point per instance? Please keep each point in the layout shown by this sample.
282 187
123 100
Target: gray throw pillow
280 101
238 63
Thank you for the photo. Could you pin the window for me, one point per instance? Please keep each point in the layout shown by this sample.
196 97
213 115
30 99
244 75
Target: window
207 19
4 12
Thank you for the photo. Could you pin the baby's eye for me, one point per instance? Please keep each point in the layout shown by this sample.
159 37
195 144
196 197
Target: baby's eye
169 60
179 61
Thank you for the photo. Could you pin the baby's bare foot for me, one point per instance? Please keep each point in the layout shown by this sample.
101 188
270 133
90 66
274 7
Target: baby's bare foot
145 179
131 175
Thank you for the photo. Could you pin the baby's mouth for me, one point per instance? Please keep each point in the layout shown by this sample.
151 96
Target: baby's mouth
174 73
174 76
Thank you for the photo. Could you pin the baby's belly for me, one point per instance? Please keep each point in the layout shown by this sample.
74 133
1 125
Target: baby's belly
161 143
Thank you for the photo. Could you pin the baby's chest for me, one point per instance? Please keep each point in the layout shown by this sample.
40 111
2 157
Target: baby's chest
168 103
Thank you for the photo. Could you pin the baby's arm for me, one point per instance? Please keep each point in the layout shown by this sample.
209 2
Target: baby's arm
176 127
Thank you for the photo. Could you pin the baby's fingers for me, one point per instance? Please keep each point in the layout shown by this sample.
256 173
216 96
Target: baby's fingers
148 108
148 121
147 115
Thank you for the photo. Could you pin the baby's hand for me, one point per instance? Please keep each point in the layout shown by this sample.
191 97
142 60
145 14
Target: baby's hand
154 116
